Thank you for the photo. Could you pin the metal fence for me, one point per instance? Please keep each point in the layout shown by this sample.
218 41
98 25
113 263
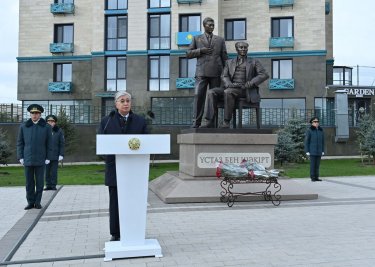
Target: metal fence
10 113
172 116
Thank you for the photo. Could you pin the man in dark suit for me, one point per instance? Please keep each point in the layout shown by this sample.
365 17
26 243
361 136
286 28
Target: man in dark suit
241 77
34 152
119 121
211 54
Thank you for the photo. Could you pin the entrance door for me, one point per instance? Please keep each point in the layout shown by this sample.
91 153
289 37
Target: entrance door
357 108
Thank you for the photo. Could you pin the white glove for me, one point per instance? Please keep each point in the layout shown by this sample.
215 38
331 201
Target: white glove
47 161
322 153
61 158
21 161
307 153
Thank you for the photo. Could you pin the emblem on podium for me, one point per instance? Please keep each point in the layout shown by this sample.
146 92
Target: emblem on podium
134 143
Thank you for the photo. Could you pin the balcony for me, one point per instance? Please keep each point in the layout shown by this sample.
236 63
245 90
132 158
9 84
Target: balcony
60 87
189 2
328 8
185 38
280 3
281 42
61 48
185 83
281 84
62 8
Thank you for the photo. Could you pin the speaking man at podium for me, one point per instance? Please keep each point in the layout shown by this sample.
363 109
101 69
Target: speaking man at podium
119 121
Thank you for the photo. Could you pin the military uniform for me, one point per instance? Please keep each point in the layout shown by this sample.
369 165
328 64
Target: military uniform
314 146
33 151
57 153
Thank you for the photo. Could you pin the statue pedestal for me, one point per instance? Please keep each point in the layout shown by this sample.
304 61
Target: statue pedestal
199 149
199 152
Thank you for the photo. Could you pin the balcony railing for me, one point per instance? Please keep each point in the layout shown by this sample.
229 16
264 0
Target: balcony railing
185 38
185 83
281 42
281 84
60 87
189 1
280 3
328 7
61 48
62 8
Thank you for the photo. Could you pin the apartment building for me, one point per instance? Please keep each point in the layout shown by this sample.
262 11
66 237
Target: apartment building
80 52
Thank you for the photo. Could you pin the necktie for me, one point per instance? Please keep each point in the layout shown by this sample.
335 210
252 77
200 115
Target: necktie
209 39
239 61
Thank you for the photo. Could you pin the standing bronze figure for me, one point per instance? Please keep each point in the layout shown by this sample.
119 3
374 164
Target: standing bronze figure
211 54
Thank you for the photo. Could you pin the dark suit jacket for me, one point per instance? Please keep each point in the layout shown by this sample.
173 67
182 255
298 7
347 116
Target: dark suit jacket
114 124
254 72
208 65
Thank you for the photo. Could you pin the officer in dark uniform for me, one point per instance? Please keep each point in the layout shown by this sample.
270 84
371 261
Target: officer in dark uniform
33 151
57 153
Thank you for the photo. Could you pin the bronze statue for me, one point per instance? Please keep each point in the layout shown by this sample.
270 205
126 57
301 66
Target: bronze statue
241 77
211 54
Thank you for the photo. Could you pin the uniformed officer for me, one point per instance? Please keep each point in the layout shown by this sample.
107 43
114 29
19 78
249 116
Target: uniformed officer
57 153
33 151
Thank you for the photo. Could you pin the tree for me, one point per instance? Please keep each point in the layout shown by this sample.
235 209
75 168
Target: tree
285 148
70 134
365 126
369 143
5 151
296 127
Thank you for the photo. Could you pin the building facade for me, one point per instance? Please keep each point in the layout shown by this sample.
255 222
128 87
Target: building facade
80 52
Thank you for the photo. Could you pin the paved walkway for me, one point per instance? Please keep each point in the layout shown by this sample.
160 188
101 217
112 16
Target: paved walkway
337 229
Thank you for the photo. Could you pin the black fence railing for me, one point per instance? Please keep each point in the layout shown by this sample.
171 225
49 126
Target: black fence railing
10 113
173 116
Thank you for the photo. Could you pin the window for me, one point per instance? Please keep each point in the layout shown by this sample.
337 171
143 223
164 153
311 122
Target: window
324 108
282 27
116 73
117 33
282 69
63 33
187 67
235 29
64 1
117 4
77 111
278 111
159 31
172 110
342 75
190 23
159 3
62 72
159 73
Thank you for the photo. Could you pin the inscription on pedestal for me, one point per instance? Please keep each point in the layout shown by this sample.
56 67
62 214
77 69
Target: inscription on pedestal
209 160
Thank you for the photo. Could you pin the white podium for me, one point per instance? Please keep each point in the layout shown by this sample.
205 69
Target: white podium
132 169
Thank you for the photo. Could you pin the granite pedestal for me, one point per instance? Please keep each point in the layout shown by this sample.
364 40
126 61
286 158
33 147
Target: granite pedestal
202 149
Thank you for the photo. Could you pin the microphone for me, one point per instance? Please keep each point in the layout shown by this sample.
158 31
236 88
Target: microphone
111 114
